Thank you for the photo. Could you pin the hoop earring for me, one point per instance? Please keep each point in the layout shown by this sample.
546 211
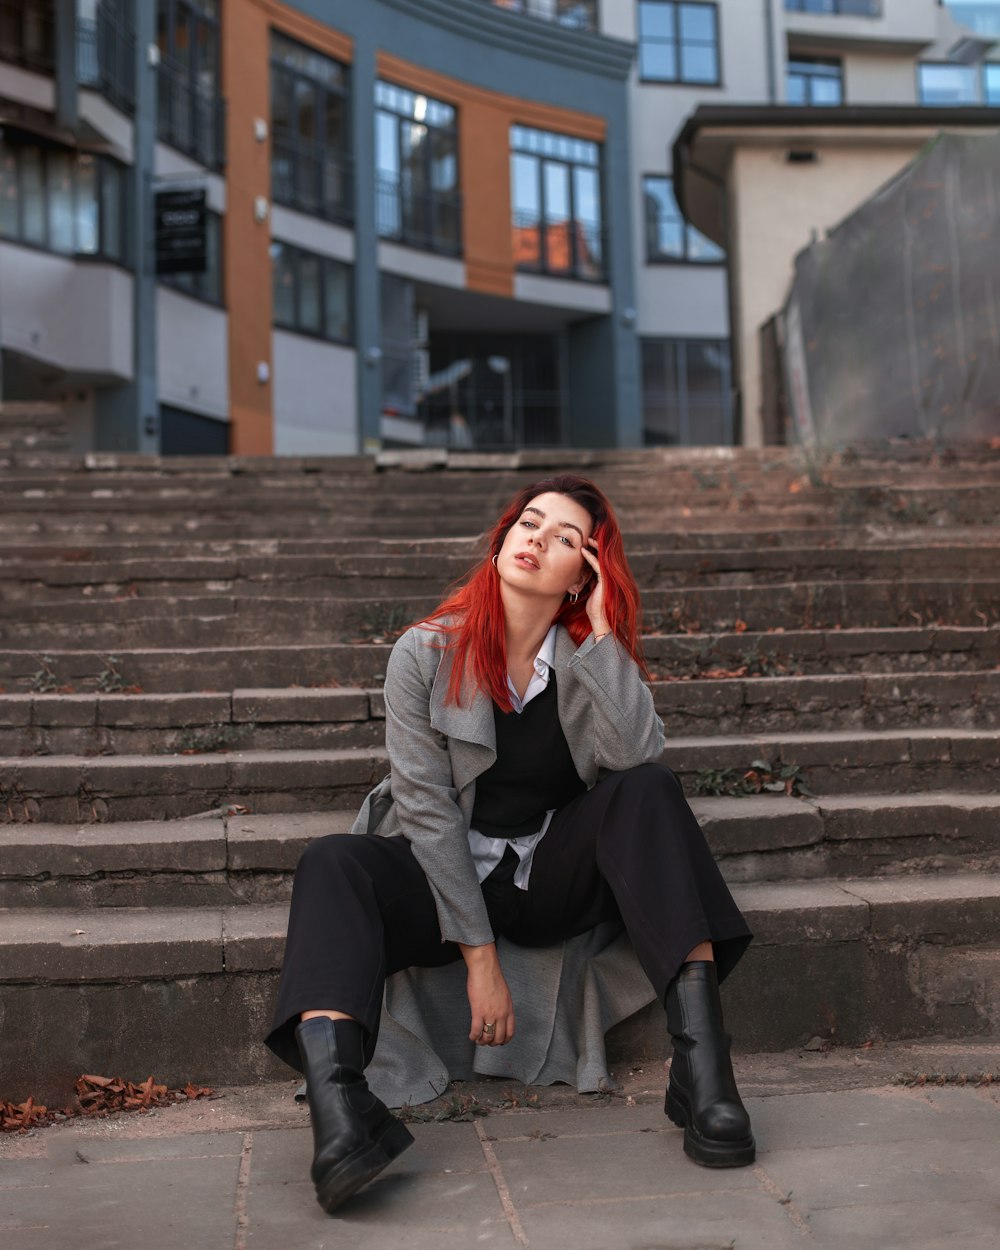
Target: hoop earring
574 596
494 561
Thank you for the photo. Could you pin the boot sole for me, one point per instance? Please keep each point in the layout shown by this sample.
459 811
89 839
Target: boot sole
710 1154
350 1174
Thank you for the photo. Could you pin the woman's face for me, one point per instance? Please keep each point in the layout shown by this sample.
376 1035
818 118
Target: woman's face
542 551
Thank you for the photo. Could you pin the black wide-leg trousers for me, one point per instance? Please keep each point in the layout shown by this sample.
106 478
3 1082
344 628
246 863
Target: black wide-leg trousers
630 849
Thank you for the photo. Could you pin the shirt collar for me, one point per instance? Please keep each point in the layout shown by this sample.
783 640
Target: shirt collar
546 657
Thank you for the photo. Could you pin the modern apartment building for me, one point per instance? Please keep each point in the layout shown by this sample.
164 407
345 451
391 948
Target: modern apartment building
423 223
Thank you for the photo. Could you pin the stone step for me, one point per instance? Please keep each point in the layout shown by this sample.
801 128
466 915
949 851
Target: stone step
268 719
67 789
414 573
177 621
102 989
671 657
231 859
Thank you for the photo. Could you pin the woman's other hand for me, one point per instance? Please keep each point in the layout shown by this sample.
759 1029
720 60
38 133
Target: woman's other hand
489 997
595 600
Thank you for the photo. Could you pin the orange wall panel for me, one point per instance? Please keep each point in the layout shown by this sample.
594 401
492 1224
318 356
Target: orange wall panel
246 249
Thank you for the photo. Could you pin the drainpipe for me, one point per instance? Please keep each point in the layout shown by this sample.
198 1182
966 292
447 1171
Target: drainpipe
772 79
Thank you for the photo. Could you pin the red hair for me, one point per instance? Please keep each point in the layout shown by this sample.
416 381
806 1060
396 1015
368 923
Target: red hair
476 635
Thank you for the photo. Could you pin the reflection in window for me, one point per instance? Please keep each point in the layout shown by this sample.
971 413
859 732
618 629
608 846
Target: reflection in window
416 159
991 83
310 162
678 42
556 203
190 112
311 293
947 85
668 235
812 81
686 392
62 200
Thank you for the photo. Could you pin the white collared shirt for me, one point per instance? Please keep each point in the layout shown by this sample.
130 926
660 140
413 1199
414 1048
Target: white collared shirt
488 852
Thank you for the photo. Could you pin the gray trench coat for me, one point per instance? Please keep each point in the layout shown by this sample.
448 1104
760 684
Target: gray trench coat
565 997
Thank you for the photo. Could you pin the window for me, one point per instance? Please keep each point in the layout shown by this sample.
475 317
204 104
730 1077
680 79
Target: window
574 14
686 392
980 16
190 114
556 204
208 285
842 8
416 161
62 200
105 50
310 146
814 82
679 43
946 85
668 235
27 34
991 83
312 293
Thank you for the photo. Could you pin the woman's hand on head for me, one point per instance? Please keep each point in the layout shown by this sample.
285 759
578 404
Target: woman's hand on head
489 997
595 600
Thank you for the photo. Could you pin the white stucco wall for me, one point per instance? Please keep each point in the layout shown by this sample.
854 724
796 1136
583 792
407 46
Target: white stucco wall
192 354
775 208
873 79
315 397
74 315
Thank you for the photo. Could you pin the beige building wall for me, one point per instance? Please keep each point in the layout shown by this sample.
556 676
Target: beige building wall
879 79
776 209
315 398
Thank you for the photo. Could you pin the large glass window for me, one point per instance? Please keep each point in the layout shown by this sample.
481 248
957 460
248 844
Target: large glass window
62 200
556 203
190 114
668 236
841 8
991 83
27 34
947 84
312 293
814 81
981 16
686 391
679 42
310 145
416 160
206 285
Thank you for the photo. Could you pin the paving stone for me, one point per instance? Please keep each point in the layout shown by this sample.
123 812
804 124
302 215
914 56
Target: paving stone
183 845
802 912
276 842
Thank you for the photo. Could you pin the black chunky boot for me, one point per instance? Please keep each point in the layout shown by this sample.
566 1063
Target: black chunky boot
702 1097
355 1136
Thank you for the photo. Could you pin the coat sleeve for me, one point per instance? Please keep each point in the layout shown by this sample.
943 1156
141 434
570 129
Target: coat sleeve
628 731
424 793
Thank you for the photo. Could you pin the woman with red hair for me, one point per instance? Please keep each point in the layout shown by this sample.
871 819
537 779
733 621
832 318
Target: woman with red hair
526 802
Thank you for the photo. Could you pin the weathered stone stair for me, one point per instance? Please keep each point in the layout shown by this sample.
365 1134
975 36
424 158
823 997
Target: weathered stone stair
191 656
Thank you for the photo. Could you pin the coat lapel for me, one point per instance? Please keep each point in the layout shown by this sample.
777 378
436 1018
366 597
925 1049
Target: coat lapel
469 727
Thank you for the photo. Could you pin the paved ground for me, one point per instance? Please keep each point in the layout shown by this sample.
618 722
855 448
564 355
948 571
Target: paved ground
848 1159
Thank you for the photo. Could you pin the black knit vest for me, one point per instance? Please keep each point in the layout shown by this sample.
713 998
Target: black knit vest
533 772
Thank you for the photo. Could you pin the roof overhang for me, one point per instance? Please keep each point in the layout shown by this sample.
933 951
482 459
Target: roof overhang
703 150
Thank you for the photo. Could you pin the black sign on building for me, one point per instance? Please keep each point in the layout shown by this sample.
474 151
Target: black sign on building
181 225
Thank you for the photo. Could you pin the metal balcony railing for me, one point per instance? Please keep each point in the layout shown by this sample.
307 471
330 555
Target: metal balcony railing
105 57
561 249
311 179
836 8
190 117
429 220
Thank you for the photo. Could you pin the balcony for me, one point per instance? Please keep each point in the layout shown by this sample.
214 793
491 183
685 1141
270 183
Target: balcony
430 220
190 116
836 8
572 14
105 56
310 178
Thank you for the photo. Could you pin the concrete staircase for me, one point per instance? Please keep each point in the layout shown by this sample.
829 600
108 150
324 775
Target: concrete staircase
191 657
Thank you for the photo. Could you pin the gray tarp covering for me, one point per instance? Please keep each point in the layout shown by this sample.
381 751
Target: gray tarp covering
892 326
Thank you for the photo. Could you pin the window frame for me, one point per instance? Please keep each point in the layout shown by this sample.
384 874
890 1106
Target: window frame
426 242
978 84
102 255
829 61
676 344
297 254
317 149
544 159
180 71
680 80
663 258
